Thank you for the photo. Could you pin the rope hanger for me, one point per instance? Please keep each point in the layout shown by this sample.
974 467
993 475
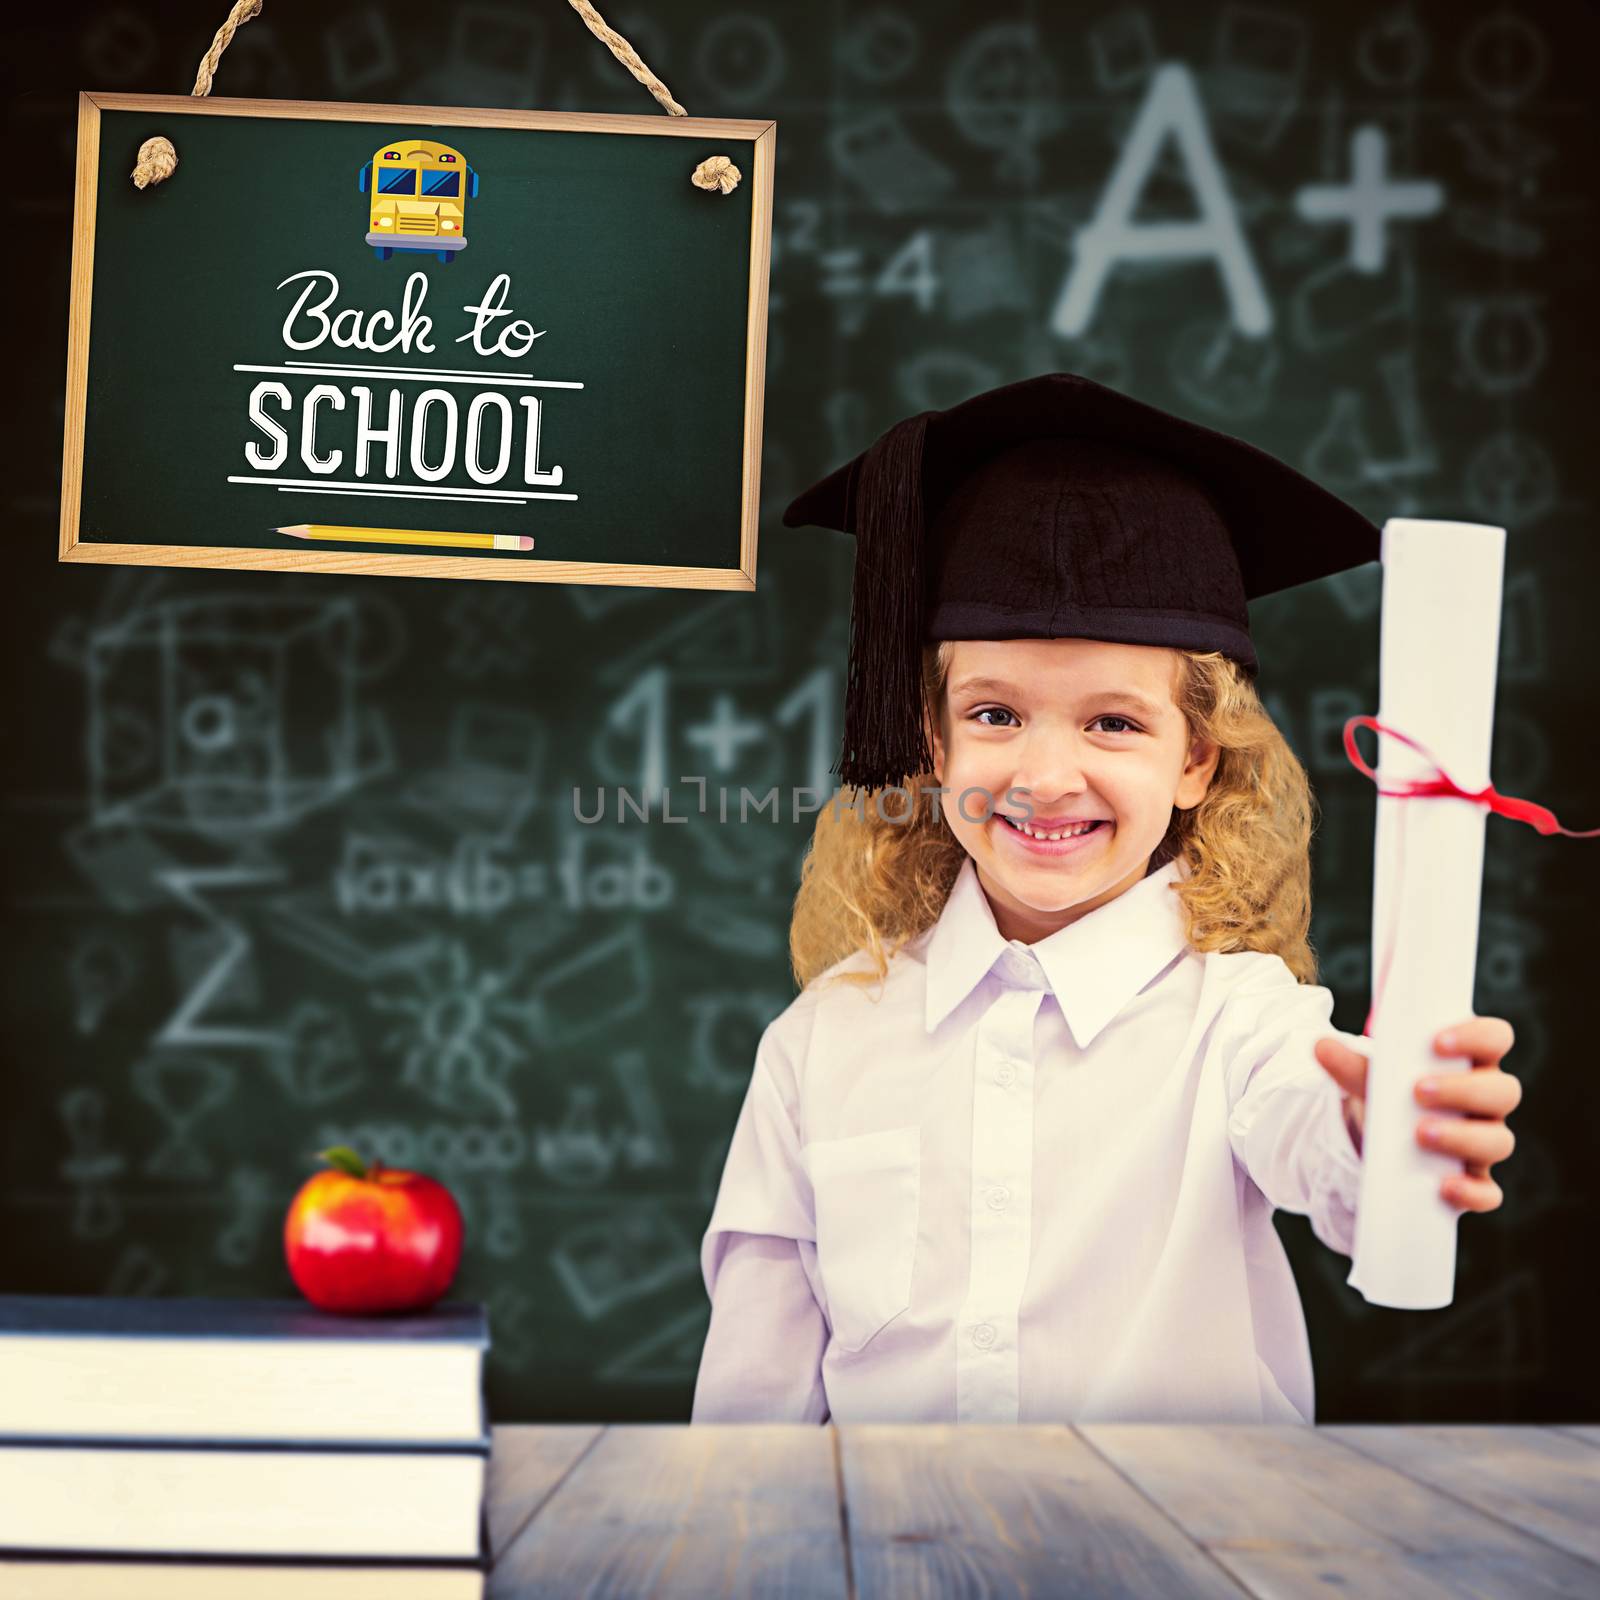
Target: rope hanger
158 160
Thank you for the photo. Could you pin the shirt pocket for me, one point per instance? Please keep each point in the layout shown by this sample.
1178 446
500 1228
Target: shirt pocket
867 1191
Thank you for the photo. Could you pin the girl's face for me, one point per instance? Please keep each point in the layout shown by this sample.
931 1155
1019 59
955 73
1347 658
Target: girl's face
1079 729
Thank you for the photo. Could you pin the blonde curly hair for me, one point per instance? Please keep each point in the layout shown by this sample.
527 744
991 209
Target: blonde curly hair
872 884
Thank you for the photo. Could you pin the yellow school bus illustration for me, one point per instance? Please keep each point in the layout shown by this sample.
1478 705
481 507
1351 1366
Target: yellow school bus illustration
419 198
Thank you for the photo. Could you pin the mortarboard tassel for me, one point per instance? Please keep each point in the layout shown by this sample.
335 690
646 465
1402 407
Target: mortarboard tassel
883 733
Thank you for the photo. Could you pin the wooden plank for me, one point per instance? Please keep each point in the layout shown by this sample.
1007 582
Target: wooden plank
939 1509
1588 1435
728 1509
1289 1510
1306 1574
1539 1480
1285 1484
527 1463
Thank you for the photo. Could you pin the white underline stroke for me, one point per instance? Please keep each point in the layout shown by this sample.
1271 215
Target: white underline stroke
338 485
386 494
417 376
367 366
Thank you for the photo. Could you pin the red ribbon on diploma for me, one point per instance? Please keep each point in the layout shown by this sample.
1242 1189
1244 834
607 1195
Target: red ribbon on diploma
1503 805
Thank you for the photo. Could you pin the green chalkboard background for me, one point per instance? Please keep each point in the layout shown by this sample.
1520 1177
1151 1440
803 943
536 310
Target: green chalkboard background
293 856
639 280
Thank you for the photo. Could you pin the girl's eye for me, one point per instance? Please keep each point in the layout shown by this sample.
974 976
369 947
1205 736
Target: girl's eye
1109 716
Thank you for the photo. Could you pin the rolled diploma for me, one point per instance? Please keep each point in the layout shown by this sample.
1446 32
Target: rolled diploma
1438 657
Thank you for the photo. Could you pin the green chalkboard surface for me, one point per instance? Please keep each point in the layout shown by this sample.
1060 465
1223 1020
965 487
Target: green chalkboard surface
297 857
530 334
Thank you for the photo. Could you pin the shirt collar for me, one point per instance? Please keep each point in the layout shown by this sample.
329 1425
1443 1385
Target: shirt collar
1094 965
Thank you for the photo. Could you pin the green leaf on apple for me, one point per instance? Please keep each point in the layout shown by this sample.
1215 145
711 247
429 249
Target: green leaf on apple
345 1159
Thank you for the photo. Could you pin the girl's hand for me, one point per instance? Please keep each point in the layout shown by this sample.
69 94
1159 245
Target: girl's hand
1485 1095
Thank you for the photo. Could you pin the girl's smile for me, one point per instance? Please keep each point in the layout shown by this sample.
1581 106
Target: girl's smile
1071 845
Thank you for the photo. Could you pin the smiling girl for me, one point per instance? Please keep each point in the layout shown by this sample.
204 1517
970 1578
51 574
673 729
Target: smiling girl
1013 1152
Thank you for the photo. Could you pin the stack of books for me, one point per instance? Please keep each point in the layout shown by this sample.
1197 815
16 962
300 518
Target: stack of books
240 1450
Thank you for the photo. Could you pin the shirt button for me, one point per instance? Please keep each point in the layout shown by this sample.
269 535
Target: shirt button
1005 1074
983 1336
999 1198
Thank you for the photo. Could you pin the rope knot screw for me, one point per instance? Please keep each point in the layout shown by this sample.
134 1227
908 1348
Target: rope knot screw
716 172
157 161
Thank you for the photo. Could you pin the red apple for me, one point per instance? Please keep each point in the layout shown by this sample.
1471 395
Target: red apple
363 1239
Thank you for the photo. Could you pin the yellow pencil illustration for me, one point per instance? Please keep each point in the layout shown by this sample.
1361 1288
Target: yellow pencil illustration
477 541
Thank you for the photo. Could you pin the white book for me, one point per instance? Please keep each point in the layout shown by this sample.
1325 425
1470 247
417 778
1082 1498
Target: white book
171 1580
131 1499
102 1367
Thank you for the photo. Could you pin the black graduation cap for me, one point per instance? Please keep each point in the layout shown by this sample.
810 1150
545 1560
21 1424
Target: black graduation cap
1057 508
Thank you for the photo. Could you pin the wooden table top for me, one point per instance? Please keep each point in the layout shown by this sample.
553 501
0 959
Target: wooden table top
1407 1513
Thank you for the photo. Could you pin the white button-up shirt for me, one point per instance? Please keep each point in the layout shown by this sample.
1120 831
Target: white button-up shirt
1029 1183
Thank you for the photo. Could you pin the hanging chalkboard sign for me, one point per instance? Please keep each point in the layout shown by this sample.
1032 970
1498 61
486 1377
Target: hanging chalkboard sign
418 340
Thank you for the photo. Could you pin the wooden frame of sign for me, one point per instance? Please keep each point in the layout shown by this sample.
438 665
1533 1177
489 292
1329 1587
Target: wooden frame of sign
307 557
